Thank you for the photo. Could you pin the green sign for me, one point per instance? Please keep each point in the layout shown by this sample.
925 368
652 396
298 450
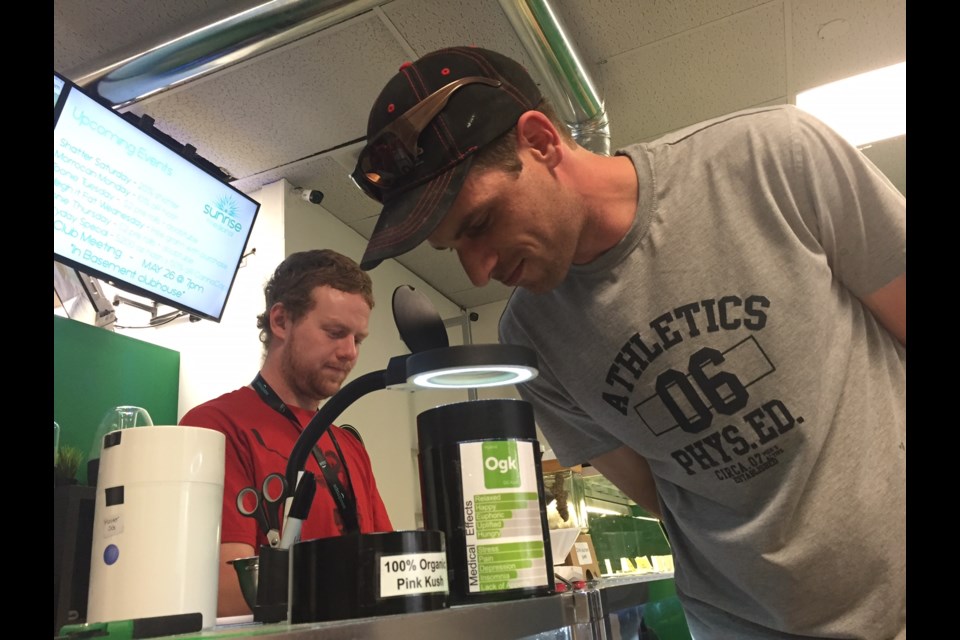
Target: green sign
501 465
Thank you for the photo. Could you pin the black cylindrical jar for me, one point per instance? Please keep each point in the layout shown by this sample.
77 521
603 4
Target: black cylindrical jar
367 574
481 484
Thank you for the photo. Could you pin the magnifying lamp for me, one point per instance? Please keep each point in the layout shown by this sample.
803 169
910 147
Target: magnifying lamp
432 363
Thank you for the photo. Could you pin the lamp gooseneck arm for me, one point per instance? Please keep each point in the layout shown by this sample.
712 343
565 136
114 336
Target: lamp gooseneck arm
330 411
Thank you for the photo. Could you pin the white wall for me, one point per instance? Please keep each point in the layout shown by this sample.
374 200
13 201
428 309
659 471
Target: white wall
217 358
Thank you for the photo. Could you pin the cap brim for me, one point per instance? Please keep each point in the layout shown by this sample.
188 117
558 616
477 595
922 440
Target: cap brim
410 217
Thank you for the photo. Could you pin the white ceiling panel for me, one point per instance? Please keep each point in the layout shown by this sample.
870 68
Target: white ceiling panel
90 35
833 40
428 25
316 82
674 82
606 28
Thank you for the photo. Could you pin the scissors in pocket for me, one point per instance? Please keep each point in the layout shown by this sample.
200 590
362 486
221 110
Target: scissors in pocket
264 505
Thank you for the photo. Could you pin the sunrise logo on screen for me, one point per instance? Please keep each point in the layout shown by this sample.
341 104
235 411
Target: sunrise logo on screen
222 214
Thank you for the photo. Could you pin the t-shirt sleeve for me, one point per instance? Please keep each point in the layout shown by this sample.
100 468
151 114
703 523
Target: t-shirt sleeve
238 473
858 216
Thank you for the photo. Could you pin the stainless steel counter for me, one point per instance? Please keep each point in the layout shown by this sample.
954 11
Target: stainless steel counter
577 615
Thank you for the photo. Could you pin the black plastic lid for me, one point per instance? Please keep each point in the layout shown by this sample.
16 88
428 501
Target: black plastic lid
493 419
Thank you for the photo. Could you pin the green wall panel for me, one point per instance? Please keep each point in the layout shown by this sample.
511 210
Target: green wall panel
95 369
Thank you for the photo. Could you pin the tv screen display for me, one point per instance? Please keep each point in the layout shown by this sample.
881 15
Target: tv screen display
131 211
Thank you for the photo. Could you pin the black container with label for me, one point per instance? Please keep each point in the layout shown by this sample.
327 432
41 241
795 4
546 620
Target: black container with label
367 574
481 484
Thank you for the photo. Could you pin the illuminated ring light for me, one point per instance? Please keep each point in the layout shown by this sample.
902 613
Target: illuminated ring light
472 366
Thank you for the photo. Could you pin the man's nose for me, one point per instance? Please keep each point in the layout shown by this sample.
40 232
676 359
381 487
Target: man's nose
478 263
348 348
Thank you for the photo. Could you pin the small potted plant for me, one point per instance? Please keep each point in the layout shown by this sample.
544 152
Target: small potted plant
67 466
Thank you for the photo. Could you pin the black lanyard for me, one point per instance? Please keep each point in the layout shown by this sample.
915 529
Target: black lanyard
345 500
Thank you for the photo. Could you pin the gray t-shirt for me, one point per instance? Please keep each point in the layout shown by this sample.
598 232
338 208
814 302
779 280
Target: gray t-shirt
723 339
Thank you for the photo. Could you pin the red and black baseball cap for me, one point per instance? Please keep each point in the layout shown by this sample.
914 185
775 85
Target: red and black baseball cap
423 131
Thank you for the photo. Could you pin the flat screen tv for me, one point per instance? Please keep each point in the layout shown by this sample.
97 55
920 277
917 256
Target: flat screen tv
133 212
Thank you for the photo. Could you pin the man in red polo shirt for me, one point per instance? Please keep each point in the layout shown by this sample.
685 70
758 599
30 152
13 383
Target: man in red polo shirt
318 307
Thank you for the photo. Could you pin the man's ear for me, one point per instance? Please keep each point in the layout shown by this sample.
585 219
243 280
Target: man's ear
279 321
537 134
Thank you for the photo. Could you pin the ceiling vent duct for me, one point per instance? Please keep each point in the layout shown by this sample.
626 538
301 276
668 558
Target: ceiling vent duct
216 46
568 84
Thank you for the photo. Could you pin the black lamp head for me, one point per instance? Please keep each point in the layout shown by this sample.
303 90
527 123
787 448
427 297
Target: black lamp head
418 322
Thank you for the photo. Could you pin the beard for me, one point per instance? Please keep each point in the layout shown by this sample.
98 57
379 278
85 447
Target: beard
309 379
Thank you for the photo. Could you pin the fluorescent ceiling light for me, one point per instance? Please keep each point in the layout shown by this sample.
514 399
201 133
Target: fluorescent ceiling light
865 108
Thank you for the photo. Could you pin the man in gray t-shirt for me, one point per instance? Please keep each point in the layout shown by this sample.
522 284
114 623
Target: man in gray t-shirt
720 323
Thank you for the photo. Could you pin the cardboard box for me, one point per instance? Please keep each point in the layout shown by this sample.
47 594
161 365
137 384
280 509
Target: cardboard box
585 556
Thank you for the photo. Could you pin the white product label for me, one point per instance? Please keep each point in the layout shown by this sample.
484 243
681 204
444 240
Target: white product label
112 526
502 518
583 553
413 573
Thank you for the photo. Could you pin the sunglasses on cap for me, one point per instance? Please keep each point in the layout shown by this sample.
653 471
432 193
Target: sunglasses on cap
391 155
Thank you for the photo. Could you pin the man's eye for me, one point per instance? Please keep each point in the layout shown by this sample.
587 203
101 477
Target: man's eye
478 228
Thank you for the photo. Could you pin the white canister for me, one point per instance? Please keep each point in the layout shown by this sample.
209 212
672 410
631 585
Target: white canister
156 529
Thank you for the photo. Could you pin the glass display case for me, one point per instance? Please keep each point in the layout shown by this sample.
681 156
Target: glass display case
627 539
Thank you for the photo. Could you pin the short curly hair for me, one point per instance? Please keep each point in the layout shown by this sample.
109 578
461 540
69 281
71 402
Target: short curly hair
294 280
